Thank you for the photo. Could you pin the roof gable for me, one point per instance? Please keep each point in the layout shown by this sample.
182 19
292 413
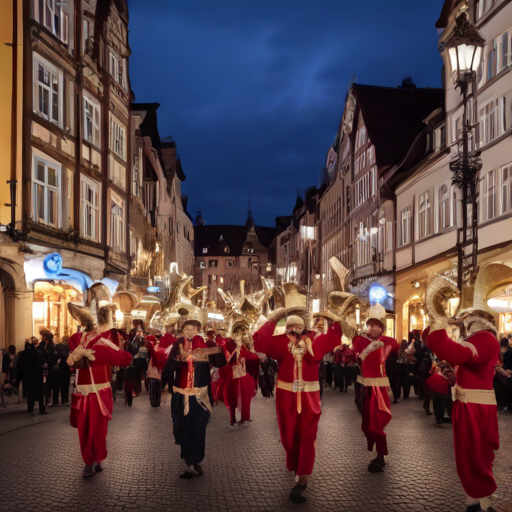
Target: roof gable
393 117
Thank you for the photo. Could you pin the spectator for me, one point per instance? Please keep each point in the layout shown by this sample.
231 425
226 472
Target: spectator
506 354
8 367
402 371
20 374
63 372
31 363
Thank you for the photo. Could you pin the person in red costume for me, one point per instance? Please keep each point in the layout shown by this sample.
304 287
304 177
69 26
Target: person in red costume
238 379
298 388
92 405
373 349
474 412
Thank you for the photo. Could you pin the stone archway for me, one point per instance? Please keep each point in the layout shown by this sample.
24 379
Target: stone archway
6 287
488 278
15 305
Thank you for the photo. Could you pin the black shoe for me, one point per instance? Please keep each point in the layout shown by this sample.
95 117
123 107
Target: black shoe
296 494
187 475
377 462
30 411
98 468
473 508
43 412
374 468
198 469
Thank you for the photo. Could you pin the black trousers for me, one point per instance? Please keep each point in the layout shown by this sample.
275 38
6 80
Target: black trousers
441 402
402 380
34 385
337 373
328 373
155 392
190 430
350 373
61 385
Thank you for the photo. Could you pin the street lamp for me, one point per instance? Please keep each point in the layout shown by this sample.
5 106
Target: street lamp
308 234
465 48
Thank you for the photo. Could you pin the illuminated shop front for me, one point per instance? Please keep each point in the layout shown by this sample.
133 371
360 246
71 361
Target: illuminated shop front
500 301
54 287
49 308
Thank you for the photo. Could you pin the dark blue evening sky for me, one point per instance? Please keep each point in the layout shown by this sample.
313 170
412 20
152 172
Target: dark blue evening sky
253 91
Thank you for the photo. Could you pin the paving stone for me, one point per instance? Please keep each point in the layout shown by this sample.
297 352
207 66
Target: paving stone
244 467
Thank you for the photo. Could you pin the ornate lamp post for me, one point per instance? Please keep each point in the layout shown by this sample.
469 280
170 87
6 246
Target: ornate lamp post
308 234
465 48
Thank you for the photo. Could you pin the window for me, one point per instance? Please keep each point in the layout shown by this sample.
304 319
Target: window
362 138
488 125
116 69
444 208
47 90
405 226
117 139
457 130
231 263
86 34
92 122
425 216
205 250
133 244
89 196
226 249
202 265
50 14
214 277
506 188
439 138
489 193
212 263
46 186
482 6
492 60
504 43
117 225
371 155
365 187
454 207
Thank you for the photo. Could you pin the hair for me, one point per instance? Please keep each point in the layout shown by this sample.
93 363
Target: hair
105 314
27 344
504 342
12 349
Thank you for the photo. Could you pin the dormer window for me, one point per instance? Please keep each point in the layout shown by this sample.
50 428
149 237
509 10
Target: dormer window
205 250
226 249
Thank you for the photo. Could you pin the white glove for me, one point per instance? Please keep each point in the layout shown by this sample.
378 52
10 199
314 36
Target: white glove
80 352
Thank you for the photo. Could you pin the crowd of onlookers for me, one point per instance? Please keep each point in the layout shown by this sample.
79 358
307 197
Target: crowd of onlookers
40 371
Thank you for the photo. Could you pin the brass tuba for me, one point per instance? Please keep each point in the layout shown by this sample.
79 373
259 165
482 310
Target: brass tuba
439 292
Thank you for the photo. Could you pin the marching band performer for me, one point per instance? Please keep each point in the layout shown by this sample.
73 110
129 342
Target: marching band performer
474 412
239 379
92 405
188 373
298 389
373 349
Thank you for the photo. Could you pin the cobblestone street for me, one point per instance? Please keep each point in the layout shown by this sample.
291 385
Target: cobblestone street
244 467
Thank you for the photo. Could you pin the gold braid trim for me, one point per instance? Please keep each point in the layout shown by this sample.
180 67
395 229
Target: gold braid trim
373 381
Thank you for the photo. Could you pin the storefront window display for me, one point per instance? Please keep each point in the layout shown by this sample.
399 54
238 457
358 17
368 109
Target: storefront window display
49 308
